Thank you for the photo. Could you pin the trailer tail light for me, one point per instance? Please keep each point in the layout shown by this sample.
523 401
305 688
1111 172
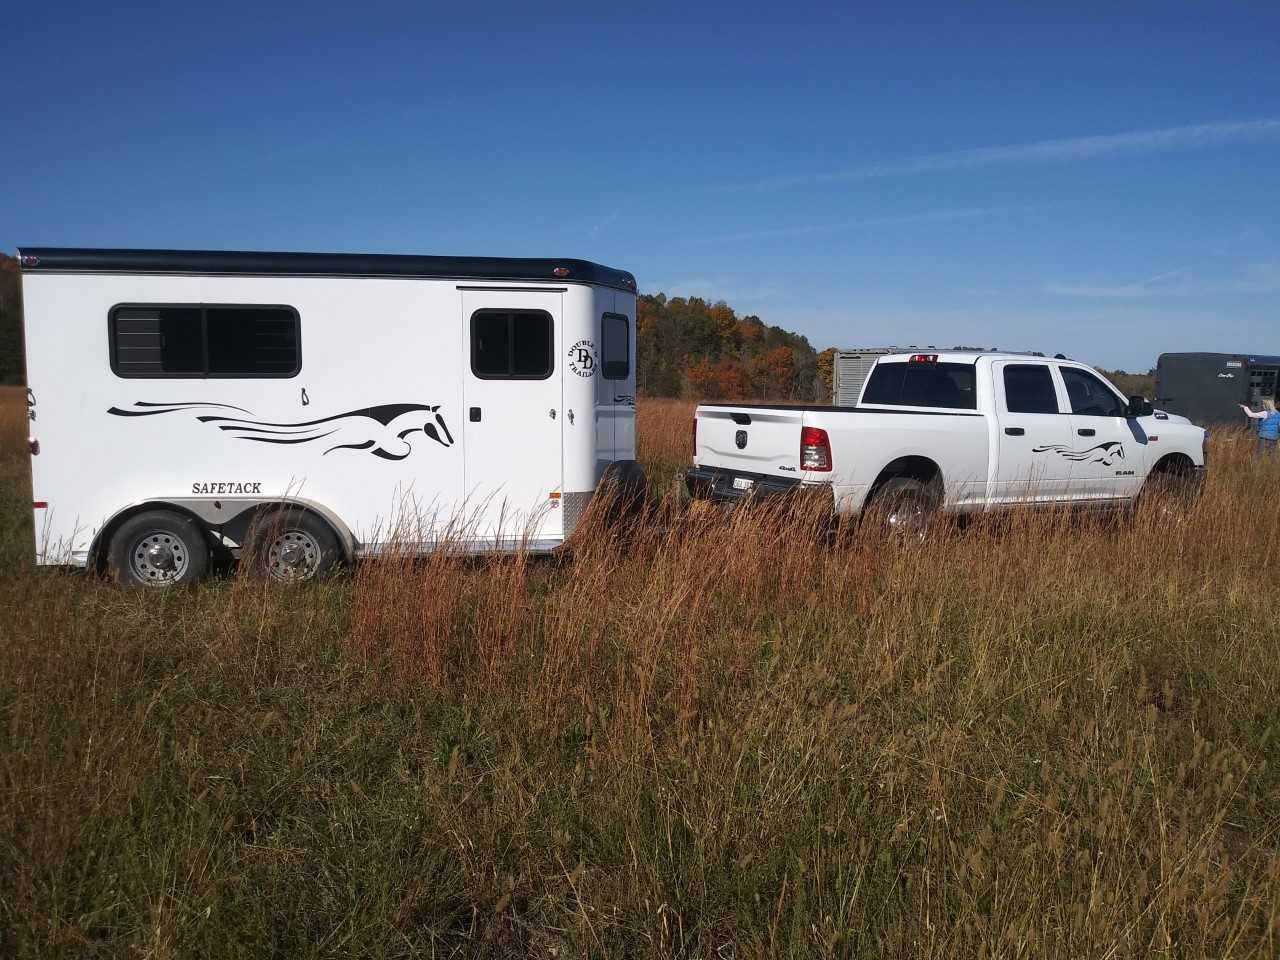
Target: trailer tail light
40 505
815 449
924 358
33 445
695 438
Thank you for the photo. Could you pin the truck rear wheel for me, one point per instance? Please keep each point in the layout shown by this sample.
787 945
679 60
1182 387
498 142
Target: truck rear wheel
904 509
291 546
158 548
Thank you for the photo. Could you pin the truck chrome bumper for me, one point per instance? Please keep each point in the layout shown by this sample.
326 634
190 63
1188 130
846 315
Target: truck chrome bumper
713 483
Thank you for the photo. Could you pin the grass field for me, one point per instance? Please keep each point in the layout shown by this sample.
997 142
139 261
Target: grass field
1033 737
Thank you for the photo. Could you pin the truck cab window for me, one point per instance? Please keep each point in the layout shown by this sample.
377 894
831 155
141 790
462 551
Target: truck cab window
948 385
615 347
1089 396
1028 388
511 344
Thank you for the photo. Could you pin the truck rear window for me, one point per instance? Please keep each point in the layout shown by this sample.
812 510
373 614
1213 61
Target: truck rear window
949 385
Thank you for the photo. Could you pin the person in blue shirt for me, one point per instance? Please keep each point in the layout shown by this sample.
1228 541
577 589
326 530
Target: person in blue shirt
1268 427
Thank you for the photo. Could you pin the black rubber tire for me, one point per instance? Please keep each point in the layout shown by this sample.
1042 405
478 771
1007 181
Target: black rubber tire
1172 493
183 538
899 496
273 529
625 484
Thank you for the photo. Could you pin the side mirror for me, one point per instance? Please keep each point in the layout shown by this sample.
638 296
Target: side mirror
1140 407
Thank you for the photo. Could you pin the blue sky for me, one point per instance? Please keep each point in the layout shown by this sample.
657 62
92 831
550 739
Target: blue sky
1102 182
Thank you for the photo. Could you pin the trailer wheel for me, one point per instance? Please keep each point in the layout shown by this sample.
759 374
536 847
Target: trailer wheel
158 548
291 546
904 509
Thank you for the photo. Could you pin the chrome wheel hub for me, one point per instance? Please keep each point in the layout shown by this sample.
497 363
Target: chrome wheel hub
158 558
293 555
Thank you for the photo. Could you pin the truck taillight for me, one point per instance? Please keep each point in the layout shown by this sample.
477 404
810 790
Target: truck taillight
815 449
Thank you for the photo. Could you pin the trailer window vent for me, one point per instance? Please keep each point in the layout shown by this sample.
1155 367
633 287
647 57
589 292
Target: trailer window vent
514 345
615 347
204 340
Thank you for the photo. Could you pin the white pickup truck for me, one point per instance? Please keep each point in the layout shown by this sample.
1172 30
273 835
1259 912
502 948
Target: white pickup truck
959 432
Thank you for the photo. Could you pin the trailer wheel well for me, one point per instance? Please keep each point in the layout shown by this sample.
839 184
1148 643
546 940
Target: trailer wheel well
916 468
235 527
100 547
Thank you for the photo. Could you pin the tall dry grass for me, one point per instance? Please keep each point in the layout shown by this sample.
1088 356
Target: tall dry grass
730 735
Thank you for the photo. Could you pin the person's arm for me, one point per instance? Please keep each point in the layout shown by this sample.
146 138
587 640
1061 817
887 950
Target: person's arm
1260 415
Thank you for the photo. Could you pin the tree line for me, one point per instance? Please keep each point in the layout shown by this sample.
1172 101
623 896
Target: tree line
690 347
10 321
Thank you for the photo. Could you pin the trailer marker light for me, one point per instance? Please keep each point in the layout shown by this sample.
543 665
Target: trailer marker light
33 445
815 449
561 271
555 496
924 358
40 505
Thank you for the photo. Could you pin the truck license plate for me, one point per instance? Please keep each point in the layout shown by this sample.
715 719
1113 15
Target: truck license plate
742 483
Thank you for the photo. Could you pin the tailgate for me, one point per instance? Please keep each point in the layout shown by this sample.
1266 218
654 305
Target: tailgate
749 439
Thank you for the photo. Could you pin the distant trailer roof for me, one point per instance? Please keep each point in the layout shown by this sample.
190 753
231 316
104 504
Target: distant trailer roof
254 263
1262 358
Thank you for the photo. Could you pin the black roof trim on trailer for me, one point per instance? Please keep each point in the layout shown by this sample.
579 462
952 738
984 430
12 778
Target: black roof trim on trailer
252 263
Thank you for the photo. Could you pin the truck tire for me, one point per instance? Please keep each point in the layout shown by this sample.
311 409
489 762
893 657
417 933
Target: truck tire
1170 493
291 546
158 548
904 508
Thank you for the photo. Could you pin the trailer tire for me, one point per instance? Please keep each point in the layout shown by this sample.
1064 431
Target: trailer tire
291 546
904 508
158 548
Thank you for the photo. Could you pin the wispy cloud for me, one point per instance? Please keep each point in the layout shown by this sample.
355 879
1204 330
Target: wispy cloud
1042 151
811 229
1161 283
1245 279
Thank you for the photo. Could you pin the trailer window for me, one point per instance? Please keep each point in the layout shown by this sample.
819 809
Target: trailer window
198 340
948 385
252 341
1089 396
511 344
615 347
1028 388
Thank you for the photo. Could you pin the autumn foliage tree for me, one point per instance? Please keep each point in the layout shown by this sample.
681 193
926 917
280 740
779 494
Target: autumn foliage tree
689 347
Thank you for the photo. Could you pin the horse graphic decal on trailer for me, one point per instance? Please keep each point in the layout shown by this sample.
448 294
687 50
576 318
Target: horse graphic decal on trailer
384 431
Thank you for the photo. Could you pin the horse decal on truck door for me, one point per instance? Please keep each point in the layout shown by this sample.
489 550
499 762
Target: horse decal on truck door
1104 453
385 431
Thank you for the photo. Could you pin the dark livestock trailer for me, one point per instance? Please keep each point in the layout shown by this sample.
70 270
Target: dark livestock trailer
1207 388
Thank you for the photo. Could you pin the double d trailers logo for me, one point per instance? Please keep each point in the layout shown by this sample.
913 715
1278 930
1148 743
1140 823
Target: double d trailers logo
582 358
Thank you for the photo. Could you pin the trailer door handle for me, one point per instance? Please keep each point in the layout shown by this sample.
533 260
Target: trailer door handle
1014 431
1086 431
474 414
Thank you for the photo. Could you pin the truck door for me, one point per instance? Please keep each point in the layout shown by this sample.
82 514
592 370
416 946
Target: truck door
1108 452
1033 431
512 470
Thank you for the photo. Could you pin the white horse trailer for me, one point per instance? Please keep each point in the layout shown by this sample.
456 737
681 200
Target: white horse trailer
184 402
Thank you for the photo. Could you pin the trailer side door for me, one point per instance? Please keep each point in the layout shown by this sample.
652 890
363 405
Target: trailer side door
512 447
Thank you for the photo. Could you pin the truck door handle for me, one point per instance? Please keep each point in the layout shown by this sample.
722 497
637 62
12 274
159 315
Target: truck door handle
1014 431
474 414
1086 431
